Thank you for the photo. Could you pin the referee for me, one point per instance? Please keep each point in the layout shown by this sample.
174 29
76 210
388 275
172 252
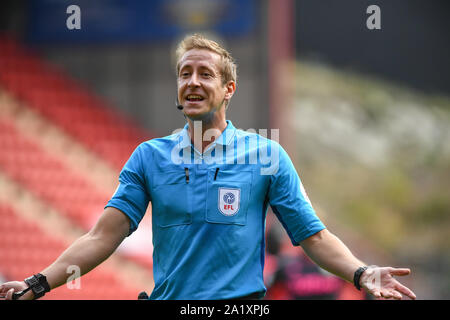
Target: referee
210 186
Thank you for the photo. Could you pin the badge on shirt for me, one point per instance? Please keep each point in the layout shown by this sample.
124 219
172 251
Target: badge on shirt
229 200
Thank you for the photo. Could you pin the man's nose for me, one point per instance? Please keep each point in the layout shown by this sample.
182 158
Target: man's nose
194 80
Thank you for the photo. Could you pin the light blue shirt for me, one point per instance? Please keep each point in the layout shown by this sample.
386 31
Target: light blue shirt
209 210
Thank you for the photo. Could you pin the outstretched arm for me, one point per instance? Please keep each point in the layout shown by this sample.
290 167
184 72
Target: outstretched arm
86 252
331 254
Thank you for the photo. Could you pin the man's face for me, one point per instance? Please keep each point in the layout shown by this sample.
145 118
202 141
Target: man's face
200 87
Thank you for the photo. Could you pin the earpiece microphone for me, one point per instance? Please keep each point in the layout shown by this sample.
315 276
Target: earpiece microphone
178 104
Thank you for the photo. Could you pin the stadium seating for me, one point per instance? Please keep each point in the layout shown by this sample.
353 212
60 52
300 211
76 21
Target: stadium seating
48 178
26 248
68 104
90 121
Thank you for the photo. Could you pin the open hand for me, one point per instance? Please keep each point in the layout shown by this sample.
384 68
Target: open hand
380 282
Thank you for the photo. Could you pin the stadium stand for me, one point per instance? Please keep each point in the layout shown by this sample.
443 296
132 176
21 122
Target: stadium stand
26 248
47 177
68 103
88 121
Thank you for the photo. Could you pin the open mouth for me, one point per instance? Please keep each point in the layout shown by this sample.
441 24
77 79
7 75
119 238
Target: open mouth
194 97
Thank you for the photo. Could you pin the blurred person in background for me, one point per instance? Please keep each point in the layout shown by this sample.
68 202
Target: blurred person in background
208 218
291 275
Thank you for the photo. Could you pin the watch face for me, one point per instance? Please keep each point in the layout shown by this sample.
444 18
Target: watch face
38 284
38 289
43 282
32 281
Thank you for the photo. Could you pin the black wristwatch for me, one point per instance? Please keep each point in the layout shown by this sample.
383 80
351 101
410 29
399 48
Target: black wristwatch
357 276
36 283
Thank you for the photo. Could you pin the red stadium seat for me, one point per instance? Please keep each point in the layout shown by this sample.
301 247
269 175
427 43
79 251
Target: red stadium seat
26 248
68 104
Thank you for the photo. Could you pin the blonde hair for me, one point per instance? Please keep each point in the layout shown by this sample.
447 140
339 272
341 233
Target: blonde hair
197 41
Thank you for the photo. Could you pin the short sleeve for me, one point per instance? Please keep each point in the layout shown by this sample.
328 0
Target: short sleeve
289 201
131 196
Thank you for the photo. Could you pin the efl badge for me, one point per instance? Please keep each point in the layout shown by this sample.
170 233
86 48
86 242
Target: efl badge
229 200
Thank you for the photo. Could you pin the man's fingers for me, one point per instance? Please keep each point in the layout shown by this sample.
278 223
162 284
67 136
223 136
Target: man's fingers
389 294
396 295
386 294
399 287
3 291
406 291
9 294
399 271
376 294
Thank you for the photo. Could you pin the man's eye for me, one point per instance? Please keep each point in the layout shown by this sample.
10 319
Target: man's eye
185 74
206 74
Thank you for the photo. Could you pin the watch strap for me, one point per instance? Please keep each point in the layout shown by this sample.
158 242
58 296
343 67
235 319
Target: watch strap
38 284
357 276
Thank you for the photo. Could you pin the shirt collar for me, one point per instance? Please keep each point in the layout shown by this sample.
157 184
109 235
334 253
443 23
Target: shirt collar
224 139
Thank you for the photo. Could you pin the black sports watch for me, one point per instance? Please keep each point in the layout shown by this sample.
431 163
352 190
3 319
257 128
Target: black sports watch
357 276
36 283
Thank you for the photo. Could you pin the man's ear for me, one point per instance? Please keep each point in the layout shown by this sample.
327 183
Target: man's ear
230 89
